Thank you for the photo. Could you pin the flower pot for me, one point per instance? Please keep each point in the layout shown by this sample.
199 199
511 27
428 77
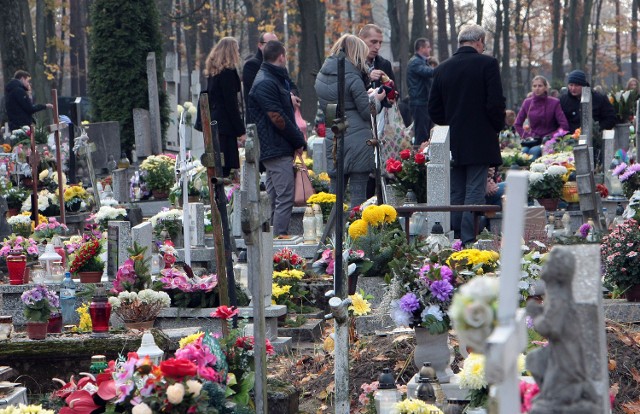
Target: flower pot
549 204
90 277
55 323
434 349
37 330
141 326
633 294
16 264
160 194
12 212
74 207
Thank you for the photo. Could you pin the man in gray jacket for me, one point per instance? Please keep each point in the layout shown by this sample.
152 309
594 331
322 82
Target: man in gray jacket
419 78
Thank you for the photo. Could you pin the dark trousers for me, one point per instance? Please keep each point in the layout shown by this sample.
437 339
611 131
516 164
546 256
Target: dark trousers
421 123
468 187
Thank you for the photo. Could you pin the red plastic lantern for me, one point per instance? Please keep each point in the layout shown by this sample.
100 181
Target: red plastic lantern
16 264
100 312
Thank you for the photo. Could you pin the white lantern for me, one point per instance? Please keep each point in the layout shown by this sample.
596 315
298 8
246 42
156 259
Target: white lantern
149 348
47 259
387 394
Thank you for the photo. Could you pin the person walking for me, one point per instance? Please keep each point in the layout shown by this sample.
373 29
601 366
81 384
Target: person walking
280 138
18 104
223 86
467 95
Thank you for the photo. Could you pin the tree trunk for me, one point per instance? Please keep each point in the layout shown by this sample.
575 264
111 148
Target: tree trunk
51 50
496 37
312 18
618 46
430 23
392 13
479 11
403 19
12 39
595 45
62 53
584 33
453 32
518 29
443 40
418 24
580 17
634 39
75 36
506 54
557 57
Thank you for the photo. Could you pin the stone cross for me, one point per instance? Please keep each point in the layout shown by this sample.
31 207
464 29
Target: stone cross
82 146
609 147
196 144
183 166
438 184
154 104
509 338
118 241
143 235
586 116
142 131
590 203
172 82
255 216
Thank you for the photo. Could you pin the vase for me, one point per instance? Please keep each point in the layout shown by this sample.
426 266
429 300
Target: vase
549 204
75 206
16 264
55 323
160 194
570 192
455 406
37 330
90 277
632 294
141 326
433 349
353 282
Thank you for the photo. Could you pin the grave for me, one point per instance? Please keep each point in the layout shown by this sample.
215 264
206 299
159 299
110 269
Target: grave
106 137
172 83
438 170
196 224
118 241
319 155
143 235
154 104
121 184
142 131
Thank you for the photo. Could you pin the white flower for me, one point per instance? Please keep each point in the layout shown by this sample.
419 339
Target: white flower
400 317
537 167
175 393
523 285
168 215
556 170
484 288
109 213
534 177
115 302
194 387
19 219
433 310
478 314
141 408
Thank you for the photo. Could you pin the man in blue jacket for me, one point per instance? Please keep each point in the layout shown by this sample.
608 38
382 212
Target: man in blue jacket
20 108
419 78
271 108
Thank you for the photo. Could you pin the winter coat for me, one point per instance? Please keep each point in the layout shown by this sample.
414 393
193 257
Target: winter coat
545 116
467 95
601 109
271 108
358 156
18 104
419 80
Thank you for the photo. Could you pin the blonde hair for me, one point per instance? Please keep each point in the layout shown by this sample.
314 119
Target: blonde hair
355 49
224 55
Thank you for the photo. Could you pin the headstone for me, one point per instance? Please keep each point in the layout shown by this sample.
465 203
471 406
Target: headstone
236 228
509 338
319 156
118 241
172 82
196 143
196 218
622 136
143 235
590 203
121 184
154 105
586 116
609 147
106 136
142 131
438 176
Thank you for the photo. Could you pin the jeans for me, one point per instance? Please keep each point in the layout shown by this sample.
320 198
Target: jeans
468 187
535 152
281 189
357 187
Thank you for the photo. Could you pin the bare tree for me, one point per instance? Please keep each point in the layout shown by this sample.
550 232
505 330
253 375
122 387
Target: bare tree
506 54
78 14
312 18
453 33
430 22
634 39
479 11
595 43
577 31
557 57
498 32
443 41
418 24
12 39
618 45
403 20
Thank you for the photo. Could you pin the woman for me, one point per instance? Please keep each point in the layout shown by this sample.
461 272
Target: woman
223 86
358 156
543 114
633 85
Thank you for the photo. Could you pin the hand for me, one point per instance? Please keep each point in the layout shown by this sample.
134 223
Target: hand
295 101
242 139
423 146
378 96
49 105
492 187
375 74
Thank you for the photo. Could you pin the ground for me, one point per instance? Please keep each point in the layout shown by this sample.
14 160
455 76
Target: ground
311 370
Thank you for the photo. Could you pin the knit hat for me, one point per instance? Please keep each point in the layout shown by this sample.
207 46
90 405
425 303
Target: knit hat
578 77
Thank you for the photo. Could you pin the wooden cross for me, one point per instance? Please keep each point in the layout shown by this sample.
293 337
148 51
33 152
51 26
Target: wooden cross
56 128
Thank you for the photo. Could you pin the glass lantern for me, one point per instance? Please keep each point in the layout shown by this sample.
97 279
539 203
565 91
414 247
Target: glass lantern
437 240
57 272
100 312
387 394
148 347
47 259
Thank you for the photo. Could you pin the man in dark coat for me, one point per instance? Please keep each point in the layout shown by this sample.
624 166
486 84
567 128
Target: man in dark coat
271 107
378 66
601 108
20 108
467 95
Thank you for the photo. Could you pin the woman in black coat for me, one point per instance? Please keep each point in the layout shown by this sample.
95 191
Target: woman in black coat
223 86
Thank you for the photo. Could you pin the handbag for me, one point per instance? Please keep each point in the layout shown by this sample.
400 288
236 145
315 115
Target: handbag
529 141
302 184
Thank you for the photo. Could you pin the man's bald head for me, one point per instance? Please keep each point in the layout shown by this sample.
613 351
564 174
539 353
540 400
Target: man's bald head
265 38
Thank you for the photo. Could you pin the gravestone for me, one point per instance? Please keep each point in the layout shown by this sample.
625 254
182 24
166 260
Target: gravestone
590 203
438 176
142 131
154 104
319 156
121 185
172 82
196 225
118 241
196 144
586 117
106 137
236 227
143 235
608 143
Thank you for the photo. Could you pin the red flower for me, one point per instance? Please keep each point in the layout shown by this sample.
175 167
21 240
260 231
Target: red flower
225 312
79 402
178 368
419 158
321 129
405 154
394 166
276 258
604 192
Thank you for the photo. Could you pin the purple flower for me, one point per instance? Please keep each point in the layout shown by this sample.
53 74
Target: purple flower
457 245
441 290
409 303
446 273
619 169
584 229
529 321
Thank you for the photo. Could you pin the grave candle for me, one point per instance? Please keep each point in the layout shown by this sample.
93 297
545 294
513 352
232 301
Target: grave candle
100 312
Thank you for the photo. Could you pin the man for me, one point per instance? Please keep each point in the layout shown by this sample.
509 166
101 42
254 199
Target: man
467 95
272 110
602 109
20 108
419 79
378 66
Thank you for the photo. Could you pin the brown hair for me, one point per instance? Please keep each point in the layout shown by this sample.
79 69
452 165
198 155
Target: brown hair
21 74
224 55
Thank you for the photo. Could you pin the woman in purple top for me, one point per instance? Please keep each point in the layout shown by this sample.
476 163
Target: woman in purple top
544 116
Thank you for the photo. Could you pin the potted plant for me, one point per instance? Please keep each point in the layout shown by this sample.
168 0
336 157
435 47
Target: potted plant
18 245
138 310
198 188
74 195
20 225
624 104
39 304
47 203
15 197
546 183
86 262
49 228
107 213
168 224
619 251
158 172
188 291
133 275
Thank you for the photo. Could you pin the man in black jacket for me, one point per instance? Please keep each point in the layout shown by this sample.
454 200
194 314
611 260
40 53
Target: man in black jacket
378 66
601 108
271 108
20 108
466 94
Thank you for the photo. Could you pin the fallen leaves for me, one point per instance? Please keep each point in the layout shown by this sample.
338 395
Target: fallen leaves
631 407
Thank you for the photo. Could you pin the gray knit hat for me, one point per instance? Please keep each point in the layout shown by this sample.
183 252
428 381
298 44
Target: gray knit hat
577 77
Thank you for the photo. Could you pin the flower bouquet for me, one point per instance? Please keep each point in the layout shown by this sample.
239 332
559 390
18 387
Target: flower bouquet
133 275
628 177
48 203
474 261
561 141
514 157
20 225
158 172
619 251
188 291
49 228
74 196
326 202
87 257
624 103
414 406
107 213
286 259
320 182
167 223
286 290
39 303
15 197
546 182
49 180
26 245
408 173
197 186
190 114
142 306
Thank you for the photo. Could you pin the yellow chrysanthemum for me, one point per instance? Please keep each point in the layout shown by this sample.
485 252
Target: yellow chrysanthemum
472 374
323 176
311 173
25 409
321 197
189 339
288 274
277 290
359 305
358 228
411 406
390 213
373 215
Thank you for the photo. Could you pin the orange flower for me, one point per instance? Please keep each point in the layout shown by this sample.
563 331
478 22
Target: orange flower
577 133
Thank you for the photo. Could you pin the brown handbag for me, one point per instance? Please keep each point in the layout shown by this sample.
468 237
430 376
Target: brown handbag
303 188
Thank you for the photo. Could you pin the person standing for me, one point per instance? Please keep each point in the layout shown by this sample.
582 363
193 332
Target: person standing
419 79
223 86
251 68
467 95
601 108
271 107
371 34
18 103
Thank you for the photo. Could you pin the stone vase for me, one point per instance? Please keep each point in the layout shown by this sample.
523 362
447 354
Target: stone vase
434 349
55 323
37 330
549 204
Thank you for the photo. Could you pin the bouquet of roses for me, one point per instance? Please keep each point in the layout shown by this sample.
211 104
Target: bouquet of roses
286 259
408 173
